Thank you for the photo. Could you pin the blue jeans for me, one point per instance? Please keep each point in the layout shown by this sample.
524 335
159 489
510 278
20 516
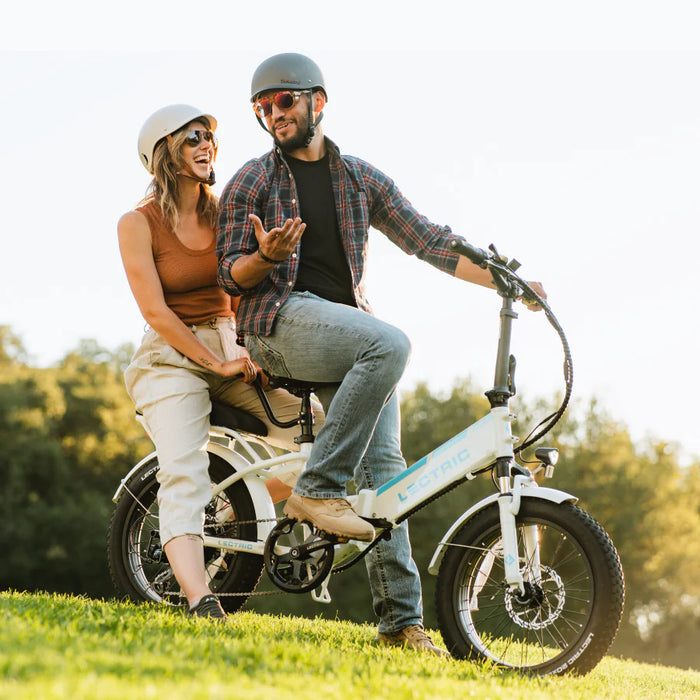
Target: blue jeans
362 360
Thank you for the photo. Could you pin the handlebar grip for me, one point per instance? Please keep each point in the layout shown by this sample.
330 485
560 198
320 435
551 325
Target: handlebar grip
476 255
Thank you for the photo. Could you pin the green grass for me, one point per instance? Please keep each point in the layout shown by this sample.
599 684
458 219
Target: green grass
66 647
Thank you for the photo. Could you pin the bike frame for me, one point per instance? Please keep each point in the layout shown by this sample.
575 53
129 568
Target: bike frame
461 457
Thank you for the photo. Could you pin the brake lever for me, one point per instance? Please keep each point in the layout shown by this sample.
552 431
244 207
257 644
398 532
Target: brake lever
502 259
528 296
505 285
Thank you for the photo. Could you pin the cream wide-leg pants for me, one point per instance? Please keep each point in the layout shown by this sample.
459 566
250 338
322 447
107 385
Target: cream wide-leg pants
174 395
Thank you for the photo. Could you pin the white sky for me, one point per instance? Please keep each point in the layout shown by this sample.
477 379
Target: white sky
568 134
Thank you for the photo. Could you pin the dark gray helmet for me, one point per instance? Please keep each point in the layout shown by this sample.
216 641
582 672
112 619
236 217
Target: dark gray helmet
292 71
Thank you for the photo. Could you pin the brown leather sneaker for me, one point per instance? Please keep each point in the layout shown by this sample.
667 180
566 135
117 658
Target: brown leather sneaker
332 515
414 637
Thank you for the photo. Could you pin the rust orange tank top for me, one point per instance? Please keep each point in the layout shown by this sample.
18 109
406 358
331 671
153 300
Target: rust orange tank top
188 276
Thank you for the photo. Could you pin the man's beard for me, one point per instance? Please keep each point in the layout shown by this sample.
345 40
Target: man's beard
297 141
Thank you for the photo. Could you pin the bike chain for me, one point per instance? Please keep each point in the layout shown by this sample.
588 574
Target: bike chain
250 593
250 522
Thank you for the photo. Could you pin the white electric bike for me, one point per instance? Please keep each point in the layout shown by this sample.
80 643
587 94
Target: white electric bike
525 578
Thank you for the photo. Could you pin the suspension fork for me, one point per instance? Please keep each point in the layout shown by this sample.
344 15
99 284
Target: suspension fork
508 508
531 539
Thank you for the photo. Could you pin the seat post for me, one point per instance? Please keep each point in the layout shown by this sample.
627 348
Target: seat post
297 387
306 418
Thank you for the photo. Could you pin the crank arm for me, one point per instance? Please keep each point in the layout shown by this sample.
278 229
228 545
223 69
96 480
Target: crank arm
319 544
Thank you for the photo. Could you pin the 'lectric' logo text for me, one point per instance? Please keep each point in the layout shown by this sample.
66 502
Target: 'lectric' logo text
430 476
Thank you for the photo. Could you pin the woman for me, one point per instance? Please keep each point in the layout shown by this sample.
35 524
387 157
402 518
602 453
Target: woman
189 354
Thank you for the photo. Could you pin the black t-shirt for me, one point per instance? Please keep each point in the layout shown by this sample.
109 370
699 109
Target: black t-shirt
323 265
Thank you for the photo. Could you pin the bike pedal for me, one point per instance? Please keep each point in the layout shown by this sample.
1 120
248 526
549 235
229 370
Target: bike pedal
380 523
329 537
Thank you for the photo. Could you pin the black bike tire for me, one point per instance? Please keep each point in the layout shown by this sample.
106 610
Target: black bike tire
244 568
596 635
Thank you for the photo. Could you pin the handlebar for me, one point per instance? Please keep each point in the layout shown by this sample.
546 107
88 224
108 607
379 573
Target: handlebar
501 271
476 255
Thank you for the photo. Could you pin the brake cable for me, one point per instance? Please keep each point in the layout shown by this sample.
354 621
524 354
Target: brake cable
530 295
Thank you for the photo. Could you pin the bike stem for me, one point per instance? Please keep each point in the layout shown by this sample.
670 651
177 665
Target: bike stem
503 387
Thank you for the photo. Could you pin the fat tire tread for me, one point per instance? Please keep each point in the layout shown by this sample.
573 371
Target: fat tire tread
607 574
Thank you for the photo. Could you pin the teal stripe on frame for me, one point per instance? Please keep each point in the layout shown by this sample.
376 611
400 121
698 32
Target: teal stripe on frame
423 460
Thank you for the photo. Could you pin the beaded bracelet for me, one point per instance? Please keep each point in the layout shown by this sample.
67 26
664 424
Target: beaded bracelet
269 260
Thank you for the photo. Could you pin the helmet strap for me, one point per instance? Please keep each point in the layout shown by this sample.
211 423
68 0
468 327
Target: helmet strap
208 181
262 124
312 124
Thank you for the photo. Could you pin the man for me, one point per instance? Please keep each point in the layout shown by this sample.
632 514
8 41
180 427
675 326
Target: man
293 232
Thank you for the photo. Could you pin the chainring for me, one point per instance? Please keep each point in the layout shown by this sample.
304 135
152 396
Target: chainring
298 558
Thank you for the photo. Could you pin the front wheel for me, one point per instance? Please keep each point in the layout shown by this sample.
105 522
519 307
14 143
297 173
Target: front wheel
137 561
568 614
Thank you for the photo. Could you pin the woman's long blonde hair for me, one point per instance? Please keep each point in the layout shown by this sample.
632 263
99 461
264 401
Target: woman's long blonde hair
167 162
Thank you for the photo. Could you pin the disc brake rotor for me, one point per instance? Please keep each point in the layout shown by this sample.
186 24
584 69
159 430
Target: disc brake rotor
541 604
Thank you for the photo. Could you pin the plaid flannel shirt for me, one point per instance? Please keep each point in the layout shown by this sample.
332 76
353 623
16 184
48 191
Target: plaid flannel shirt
364 197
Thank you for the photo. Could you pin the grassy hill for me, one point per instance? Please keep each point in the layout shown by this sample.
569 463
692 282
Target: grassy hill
67 647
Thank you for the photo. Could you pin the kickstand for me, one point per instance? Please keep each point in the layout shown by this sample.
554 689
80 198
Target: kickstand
321 594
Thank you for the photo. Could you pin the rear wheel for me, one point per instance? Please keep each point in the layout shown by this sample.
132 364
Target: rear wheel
137 562
570 610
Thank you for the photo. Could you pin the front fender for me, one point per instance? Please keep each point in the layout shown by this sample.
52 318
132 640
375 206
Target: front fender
526 491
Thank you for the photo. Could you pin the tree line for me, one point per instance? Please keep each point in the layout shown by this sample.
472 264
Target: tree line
69 435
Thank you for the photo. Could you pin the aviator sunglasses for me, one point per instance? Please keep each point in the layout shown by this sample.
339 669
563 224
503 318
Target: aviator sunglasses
283 99
194 137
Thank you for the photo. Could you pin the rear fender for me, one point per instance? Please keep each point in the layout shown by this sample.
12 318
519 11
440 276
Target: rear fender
129 476
264 508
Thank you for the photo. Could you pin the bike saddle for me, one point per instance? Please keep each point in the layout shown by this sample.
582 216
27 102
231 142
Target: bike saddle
227 416
294 386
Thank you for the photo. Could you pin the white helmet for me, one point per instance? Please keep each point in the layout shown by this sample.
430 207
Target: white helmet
163 122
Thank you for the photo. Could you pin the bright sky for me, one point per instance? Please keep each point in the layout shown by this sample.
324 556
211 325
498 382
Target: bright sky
568 134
